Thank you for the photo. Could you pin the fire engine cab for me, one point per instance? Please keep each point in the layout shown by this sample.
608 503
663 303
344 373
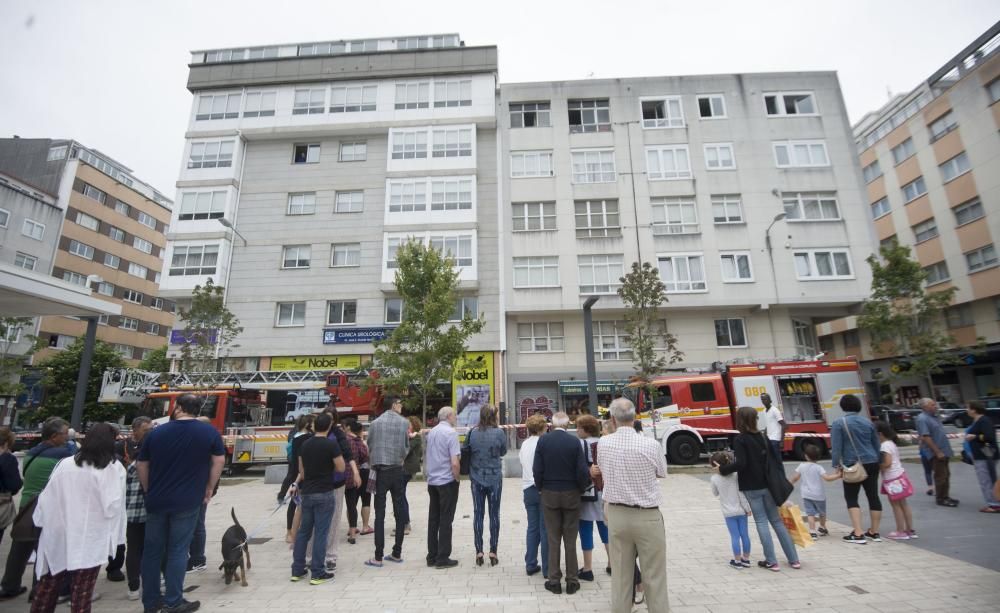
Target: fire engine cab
692 413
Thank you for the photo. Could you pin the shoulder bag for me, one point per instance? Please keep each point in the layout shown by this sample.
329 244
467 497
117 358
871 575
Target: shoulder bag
590 494
23 527
855 473
774 473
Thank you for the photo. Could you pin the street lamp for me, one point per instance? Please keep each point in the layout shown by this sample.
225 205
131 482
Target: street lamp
588 339
227 224
774 278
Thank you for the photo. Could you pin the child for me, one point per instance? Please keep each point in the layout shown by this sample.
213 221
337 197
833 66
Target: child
892 470
813 495
735 508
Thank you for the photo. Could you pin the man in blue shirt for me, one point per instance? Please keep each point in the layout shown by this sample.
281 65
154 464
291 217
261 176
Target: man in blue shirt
442 468
934 445
179 464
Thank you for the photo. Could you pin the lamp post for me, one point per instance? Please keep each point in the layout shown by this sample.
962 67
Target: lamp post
227 224
588 339
774 278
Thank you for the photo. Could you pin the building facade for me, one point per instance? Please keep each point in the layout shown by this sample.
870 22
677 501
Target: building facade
931 161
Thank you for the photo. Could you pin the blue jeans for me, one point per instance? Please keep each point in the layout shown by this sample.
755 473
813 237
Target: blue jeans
764 512
317 513
536 531
739 536
481 495
167 535
196 554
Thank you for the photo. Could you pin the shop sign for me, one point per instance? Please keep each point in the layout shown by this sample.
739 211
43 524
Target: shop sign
472 386
355 335
316 362
183 337
573 388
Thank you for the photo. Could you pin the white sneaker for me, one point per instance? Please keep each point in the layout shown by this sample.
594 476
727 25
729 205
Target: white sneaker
134 594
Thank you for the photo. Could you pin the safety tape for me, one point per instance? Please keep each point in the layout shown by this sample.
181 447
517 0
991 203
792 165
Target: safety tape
792 435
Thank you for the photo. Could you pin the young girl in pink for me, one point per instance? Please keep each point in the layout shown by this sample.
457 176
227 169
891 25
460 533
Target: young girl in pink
895 483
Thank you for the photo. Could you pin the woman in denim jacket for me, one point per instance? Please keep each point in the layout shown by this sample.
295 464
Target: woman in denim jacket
487 445
864 449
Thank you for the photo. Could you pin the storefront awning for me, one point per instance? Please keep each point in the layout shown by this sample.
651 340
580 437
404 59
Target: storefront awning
29 294
574 387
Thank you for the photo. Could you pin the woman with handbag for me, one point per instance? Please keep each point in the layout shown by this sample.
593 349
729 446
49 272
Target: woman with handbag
895 483
981 440
757 475
855 449
10 480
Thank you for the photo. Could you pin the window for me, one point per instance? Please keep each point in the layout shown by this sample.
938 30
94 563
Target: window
211 154
451 195
730 333
291 314
349 202
194 260
993 89
668 163
61 341
529 115
130 295
683 273
536 271
409 144
122 208
112 261
903 151
407 196
11 334
4 217
662 113
533 216
116 234
611 341
57 153
981 259
942 125
341 312
356 151
92 192
156 303
295 256
727 209
457 246
25 261
925 230
153 329
800 154
142 245
712 106
597 218
937 273
302 204
80 249
413 95
393 310
719 156
959 316
451 143
589 115
124 350
202 205
465 306
309 101
87 221
819 264
820 206
888 242
880 207
594 166
530 164
789 103
914 189
137 270
305 154
736 267
805 338
105 289
353 99
347 254
147 220
600 274
674 216
75 278
33 229
218 106
540 337
968 211
871 171
452 93
259 104
392 246
955 166
852 338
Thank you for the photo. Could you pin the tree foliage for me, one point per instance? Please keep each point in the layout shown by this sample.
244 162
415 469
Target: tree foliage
426 347
60 382
653 347
13 365
156 361
209 327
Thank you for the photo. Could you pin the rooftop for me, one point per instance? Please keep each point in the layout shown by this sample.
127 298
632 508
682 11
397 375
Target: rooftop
326 48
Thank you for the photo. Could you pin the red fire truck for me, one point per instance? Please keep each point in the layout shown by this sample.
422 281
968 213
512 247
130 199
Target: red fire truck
693 412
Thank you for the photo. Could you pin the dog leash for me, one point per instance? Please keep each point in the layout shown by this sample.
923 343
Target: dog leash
262 524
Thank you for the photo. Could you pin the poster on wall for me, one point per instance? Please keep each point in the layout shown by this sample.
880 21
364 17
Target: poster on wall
472 387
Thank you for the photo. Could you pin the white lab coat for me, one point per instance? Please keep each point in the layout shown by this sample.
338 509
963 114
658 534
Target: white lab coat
81 513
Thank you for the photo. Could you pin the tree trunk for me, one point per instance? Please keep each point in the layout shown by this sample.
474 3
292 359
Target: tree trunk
423 406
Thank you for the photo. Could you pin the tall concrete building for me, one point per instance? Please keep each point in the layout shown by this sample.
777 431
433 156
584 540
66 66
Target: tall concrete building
743 189
73 212
931 160
305 166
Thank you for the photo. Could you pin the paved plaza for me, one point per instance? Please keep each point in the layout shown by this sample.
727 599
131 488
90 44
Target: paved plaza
878 577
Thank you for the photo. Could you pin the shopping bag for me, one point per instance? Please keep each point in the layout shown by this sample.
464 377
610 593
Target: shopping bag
791 516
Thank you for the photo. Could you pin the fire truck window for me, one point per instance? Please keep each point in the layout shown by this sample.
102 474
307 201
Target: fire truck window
702 392
208 404
157 407
662 397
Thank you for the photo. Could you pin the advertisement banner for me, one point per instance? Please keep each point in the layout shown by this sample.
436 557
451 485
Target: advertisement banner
472 387
183 337
316 362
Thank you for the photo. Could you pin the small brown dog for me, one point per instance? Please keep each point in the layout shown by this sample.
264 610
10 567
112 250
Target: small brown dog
235 552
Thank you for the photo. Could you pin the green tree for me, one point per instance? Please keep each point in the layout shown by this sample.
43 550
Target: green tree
60 382
13 365
426 347
156 361
905 319
209 327
653 347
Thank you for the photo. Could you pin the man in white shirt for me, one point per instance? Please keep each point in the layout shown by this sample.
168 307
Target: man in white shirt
533 500
775 424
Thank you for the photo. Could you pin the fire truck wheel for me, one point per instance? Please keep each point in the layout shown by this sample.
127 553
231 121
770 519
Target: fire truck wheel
800 444
683 449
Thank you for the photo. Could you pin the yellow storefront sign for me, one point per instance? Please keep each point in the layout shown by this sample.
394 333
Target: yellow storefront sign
316 362
472 386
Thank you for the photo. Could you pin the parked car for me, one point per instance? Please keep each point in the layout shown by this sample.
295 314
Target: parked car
899 417
992 404
954 414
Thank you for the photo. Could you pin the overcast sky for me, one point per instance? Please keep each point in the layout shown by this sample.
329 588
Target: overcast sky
111 74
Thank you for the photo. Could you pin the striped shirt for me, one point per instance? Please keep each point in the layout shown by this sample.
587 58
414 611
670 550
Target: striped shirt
631 464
